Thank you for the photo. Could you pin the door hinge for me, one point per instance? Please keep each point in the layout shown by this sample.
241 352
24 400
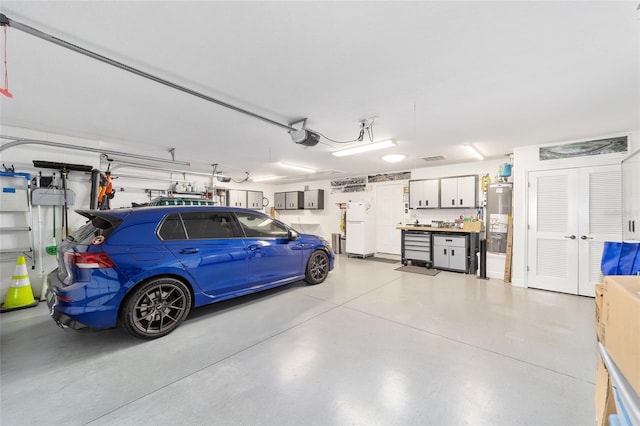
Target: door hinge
527 268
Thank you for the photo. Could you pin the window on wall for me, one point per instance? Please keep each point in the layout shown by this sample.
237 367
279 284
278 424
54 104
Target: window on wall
255 225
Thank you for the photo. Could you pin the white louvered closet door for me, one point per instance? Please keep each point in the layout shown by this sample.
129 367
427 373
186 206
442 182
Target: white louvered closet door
553 229
571 213
600 220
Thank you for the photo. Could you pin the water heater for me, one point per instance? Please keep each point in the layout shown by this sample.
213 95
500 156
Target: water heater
499 200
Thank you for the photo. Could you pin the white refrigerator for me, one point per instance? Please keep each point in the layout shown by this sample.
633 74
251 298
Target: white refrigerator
361 229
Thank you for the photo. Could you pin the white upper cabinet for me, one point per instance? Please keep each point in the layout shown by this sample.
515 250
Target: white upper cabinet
237 198
459 192
423 194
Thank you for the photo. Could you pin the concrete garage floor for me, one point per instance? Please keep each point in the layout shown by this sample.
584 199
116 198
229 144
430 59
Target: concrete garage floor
370 346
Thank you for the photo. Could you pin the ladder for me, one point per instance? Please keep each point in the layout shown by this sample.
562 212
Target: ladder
16 222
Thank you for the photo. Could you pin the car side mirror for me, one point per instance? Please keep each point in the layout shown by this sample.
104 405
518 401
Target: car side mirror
293 235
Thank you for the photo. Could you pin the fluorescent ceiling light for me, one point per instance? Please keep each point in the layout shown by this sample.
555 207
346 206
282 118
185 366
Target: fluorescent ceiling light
265 178
365 148
298 168
393 158
474 151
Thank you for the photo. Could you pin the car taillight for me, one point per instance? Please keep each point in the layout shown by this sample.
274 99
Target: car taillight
89 260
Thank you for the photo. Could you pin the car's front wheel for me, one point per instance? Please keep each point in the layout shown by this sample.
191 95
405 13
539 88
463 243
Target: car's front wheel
156 308
317 267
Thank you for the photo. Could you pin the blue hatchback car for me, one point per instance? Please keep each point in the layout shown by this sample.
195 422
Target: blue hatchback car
146 268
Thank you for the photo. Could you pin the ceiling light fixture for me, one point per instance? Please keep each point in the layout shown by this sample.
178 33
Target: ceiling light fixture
265 178
365 148
393 158
473 151
298 168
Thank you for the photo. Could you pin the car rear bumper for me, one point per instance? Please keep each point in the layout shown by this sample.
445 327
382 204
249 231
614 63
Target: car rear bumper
74 307
60 318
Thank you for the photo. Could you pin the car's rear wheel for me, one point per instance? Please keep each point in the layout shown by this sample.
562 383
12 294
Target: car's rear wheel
317 267
156 308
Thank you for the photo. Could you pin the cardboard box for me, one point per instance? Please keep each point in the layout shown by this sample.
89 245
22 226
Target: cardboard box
472 226
621 319
604 402
599 302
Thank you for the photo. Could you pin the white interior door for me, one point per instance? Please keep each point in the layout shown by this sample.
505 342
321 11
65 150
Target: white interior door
600 220
553 229
571 213
389 215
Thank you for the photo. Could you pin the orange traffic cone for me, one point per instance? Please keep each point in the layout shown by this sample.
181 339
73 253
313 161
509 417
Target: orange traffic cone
20 294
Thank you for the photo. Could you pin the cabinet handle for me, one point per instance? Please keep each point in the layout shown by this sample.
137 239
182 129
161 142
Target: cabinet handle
571 237
445 251
584 237
419 202
426 202
453 252
453 202
460 201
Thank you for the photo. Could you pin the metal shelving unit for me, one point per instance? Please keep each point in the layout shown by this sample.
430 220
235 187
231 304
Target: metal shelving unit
626 399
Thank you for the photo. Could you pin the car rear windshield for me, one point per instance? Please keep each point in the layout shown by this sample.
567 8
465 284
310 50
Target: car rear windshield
95 227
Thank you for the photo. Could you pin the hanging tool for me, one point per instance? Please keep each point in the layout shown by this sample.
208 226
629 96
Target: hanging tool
53 248
106 191
5 89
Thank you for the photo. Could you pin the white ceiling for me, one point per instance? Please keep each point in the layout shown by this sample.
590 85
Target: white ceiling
436 75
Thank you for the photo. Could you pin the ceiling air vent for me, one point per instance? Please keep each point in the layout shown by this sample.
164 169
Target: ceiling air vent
434 158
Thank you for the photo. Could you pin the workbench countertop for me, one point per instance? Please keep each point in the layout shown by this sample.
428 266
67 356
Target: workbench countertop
430 229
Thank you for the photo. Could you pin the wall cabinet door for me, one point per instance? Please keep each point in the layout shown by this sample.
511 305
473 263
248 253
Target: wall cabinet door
448 192
280 200
254 199
415 193
294 200
467 191
237 198
631 197
314 199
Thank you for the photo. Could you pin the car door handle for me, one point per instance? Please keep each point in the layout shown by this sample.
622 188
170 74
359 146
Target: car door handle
190 250
254 247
